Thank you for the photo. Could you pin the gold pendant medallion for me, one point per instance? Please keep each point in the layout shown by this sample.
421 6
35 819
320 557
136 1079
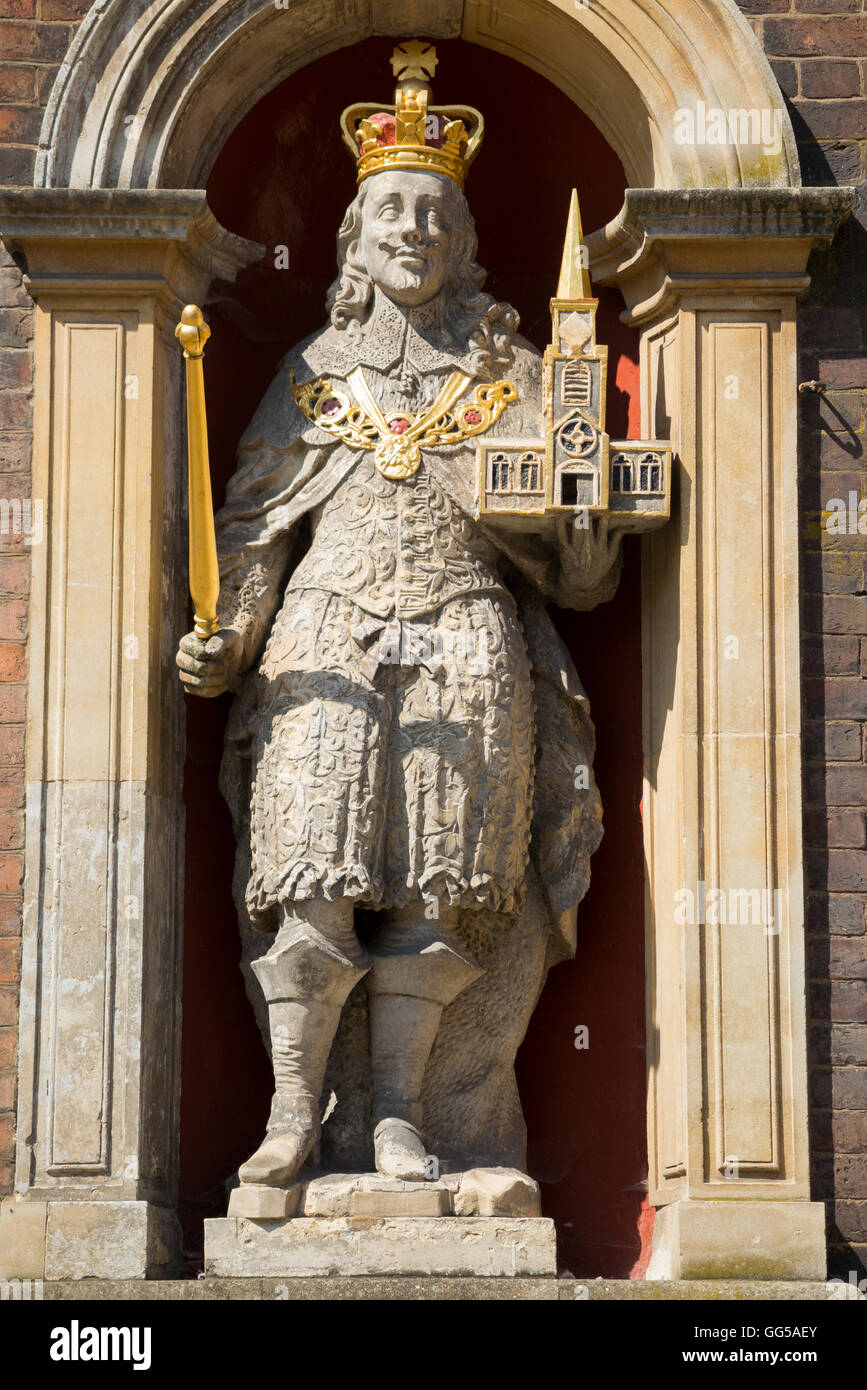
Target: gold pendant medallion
397 458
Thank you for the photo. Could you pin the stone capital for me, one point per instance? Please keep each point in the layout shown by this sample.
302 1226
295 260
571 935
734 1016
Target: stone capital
665 244
107 241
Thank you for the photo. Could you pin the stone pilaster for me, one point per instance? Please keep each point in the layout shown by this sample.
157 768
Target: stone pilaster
712 279
99 1084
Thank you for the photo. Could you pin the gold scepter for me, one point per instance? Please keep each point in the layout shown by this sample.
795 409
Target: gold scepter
192 333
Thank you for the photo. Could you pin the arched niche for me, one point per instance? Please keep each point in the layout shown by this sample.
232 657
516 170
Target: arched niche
284 180
150 90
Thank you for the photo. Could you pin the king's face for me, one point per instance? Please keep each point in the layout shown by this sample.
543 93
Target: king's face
406 234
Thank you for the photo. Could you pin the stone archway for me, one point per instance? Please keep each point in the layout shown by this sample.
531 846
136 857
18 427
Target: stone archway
149 92
710 252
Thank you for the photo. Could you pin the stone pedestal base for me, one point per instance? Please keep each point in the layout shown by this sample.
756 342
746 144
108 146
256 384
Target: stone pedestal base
439 1245
475 1192
739 1240
88 1240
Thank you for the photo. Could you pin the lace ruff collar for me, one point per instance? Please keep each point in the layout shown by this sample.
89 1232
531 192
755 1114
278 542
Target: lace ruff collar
390 340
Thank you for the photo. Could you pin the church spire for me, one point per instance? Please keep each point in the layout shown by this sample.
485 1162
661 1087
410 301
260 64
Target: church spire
574 276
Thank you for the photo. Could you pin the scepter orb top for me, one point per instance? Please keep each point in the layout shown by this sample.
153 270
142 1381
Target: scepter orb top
192 332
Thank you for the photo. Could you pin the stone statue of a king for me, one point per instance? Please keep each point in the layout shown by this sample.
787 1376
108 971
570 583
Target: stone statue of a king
409 756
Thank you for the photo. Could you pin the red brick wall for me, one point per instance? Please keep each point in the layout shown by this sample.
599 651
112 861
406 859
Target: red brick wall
34 36
817 49
15 409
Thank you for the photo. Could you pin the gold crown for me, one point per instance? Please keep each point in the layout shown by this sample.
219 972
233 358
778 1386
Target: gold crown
412 134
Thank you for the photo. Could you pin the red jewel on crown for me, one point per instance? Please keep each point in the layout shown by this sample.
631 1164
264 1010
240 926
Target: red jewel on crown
331 406
399 426
472 417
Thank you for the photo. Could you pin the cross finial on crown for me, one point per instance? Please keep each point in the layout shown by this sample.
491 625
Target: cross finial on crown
414 59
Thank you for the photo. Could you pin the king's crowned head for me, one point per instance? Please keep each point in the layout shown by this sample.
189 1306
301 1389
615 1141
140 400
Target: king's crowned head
412 133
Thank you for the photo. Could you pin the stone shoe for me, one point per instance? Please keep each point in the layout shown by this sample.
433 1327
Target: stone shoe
400 1151
279 1158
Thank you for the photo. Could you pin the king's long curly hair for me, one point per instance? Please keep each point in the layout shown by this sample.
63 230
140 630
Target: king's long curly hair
477 319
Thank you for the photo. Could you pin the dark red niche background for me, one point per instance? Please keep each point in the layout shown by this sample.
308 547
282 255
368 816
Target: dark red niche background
284 179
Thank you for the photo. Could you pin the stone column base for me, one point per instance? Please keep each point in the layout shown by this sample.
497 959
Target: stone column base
739 1239
88 1240
439 1245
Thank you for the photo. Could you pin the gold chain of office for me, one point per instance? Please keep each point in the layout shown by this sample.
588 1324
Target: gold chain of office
398 436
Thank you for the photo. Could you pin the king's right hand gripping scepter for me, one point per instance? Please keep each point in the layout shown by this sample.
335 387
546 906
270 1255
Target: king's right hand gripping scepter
192 333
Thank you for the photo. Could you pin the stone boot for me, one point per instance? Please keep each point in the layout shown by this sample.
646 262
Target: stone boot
306 981
408 993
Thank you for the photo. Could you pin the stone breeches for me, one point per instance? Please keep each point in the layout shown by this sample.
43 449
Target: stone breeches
392 765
